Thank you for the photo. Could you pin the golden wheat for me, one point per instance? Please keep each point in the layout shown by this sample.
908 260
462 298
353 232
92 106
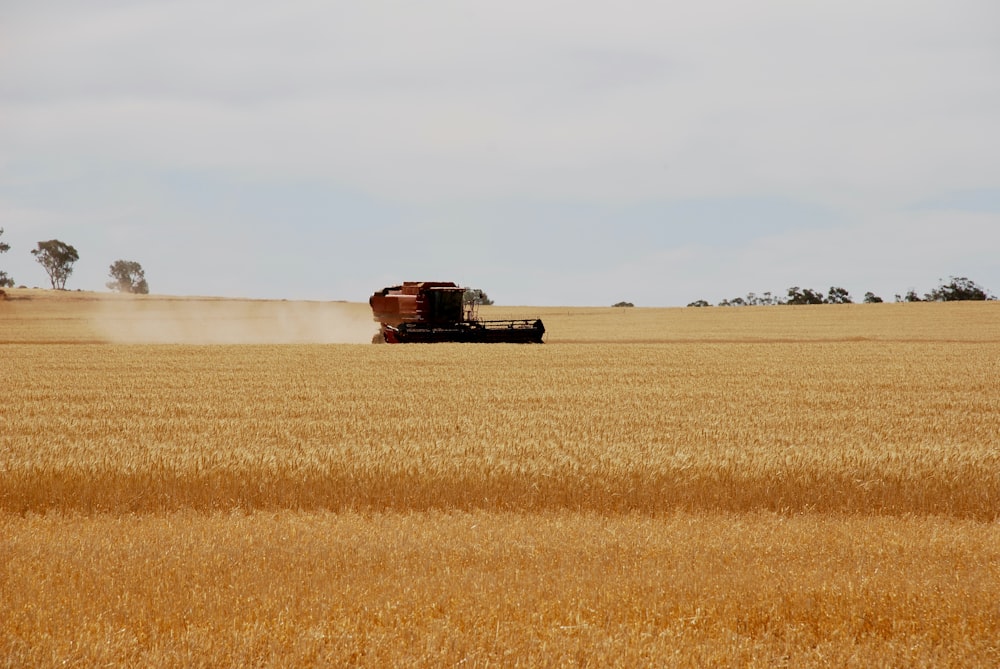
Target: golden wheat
485 589
757 487
826 427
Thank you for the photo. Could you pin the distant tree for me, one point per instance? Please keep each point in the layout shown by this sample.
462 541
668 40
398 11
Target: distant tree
476 296
751 300
622 304
57 258
958 288
872 298
4 279
798 295
129 277
765 300
838 296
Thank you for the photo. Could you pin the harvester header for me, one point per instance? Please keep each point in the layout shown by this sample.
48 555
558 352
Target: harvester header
436 311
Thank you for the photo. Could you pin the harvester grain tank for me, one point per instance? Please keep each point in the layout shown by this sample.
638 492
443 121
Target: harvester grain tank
428 312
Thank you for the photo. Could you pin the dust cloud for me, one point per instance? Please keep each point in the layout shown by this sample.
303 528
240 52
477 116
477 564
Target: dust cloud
228 321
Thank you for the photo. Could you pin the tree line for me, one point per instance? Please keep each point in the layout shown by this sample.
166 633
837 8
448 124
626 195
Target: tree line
955 289
57 259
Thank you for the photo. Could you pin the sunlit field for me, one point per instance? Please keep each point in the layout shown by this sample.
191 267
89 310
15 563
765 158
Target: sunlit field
242 483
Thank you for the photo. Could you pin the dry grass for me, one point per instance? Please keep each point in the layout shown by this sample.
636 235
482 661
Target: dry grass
741 487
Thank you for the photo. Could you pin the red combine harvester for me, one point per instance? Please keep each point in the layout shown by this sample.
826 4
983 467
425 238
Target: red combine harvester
427 312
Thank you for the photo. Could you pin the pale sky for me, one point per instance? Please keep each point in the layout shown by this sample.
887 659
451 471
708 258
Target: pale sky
549 152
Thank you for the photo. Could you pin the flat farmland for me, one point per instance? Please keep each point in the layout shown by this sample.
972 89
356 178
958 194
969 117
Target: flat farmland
190 482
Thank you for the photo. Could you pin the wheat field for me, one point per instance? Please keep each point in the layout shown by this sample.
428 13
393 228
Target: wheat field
198 482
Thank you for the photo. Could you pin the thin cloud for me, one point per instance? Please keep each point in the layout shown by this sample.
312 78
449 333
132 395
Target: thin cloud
574 119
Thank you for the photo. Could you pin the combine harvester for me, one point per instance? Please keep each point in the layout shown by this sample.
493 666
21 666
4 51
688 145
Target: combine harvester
428 312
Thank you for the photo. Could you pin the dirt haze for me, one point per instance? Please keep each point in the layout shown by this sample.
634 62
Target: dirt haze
233 322
81 317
